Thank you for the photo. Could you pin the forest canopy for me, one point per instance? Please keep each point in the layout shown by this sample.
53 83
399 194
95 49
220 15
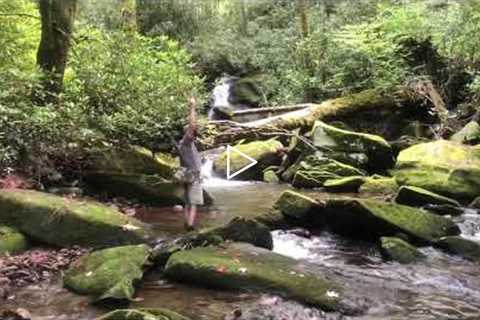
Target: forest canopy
130 65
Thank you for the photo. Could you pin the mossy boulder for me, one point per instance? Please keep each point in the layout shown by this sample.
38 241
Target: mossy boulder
444 167
267 153
475 204
470 134
66 222
380 185
314 170
295 205
415 196
132 160
238 230
464 247
245 267
142 314
270 176
396 249
373 218
11 241
347 184
377 149
109 273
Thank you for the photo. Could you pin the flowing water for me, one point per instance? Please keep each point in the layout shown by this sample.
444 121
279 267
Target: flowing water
441 287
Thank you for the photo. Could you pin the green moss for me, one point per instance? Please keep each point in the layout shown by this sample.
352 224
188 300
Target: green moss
444 167
133 160
371 218
108 273
470 134
399 250
149 189
270 176
379 185
265 152
142 314
11 241
377 149
65 222
312 178
348 184
244 267
295 205
461 246
415 196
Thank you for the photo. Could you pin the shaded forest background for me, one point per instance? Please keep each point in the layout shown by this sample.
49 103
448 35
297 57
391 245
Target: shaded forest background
131 65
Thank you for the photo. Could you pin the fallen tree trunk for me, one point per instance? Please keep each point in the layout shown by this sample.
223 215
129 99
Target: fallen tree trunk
304 118
226 132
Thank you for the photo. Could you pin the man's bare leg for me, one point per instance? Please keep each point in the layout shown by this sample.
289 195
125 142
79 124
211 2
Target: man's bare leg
192 215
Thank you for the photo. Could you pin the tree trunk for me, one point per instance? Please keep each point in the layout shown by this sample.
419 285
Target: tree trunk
302 11
129 16
57 18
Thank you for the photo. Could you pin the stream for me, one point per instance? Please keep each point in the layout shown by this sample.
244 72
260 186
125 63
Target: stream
441 287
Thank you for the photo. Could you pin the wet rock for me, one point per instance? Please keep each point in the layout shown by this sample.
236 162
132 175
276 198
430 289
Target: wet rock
475 204
109 273
348 184
444 167
238 230
11 241
371 218
244 267
66 222
415 196
270 177
457 245
470 134
396 249
267 153
132 160
142 314
377 149
444 209
313 171
134 173
291 208
380 185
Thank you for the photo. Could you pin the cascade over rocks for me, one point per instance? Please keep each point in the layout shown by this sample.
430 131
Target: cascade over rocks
443 167
244 267
109 273
64 222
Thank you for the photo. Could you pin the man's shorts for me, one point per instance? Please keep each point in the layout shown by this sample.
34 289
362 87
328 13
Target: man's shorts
194 194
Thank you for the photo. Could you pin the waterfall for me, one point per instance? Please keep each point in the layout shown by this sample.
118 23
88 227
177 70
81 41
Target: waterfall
220 96
212 180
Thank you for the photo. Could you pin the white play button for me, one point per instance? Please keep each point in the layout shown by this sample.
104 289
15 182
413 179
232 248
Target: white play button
231 149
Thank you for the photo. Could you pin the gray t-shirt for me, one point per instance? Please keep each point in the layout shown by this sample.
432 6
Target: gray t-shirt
189 155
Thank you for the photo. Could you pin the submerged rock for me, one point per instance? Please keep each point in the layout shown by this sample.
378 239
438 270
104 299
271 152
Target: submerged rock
11 241
373 218
267 153
396 249
66 222
457 245
470 134
377 149
142 314
415 196
244 267
109 273
237 230
444 167
314 170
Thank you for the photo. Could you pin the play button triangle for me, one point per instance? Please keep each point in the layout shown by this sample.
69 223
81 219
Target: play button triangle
231 149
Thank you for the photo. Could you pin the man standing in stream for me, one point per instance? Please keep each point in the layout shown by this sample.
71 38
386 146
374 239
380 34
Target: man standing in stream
191 163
